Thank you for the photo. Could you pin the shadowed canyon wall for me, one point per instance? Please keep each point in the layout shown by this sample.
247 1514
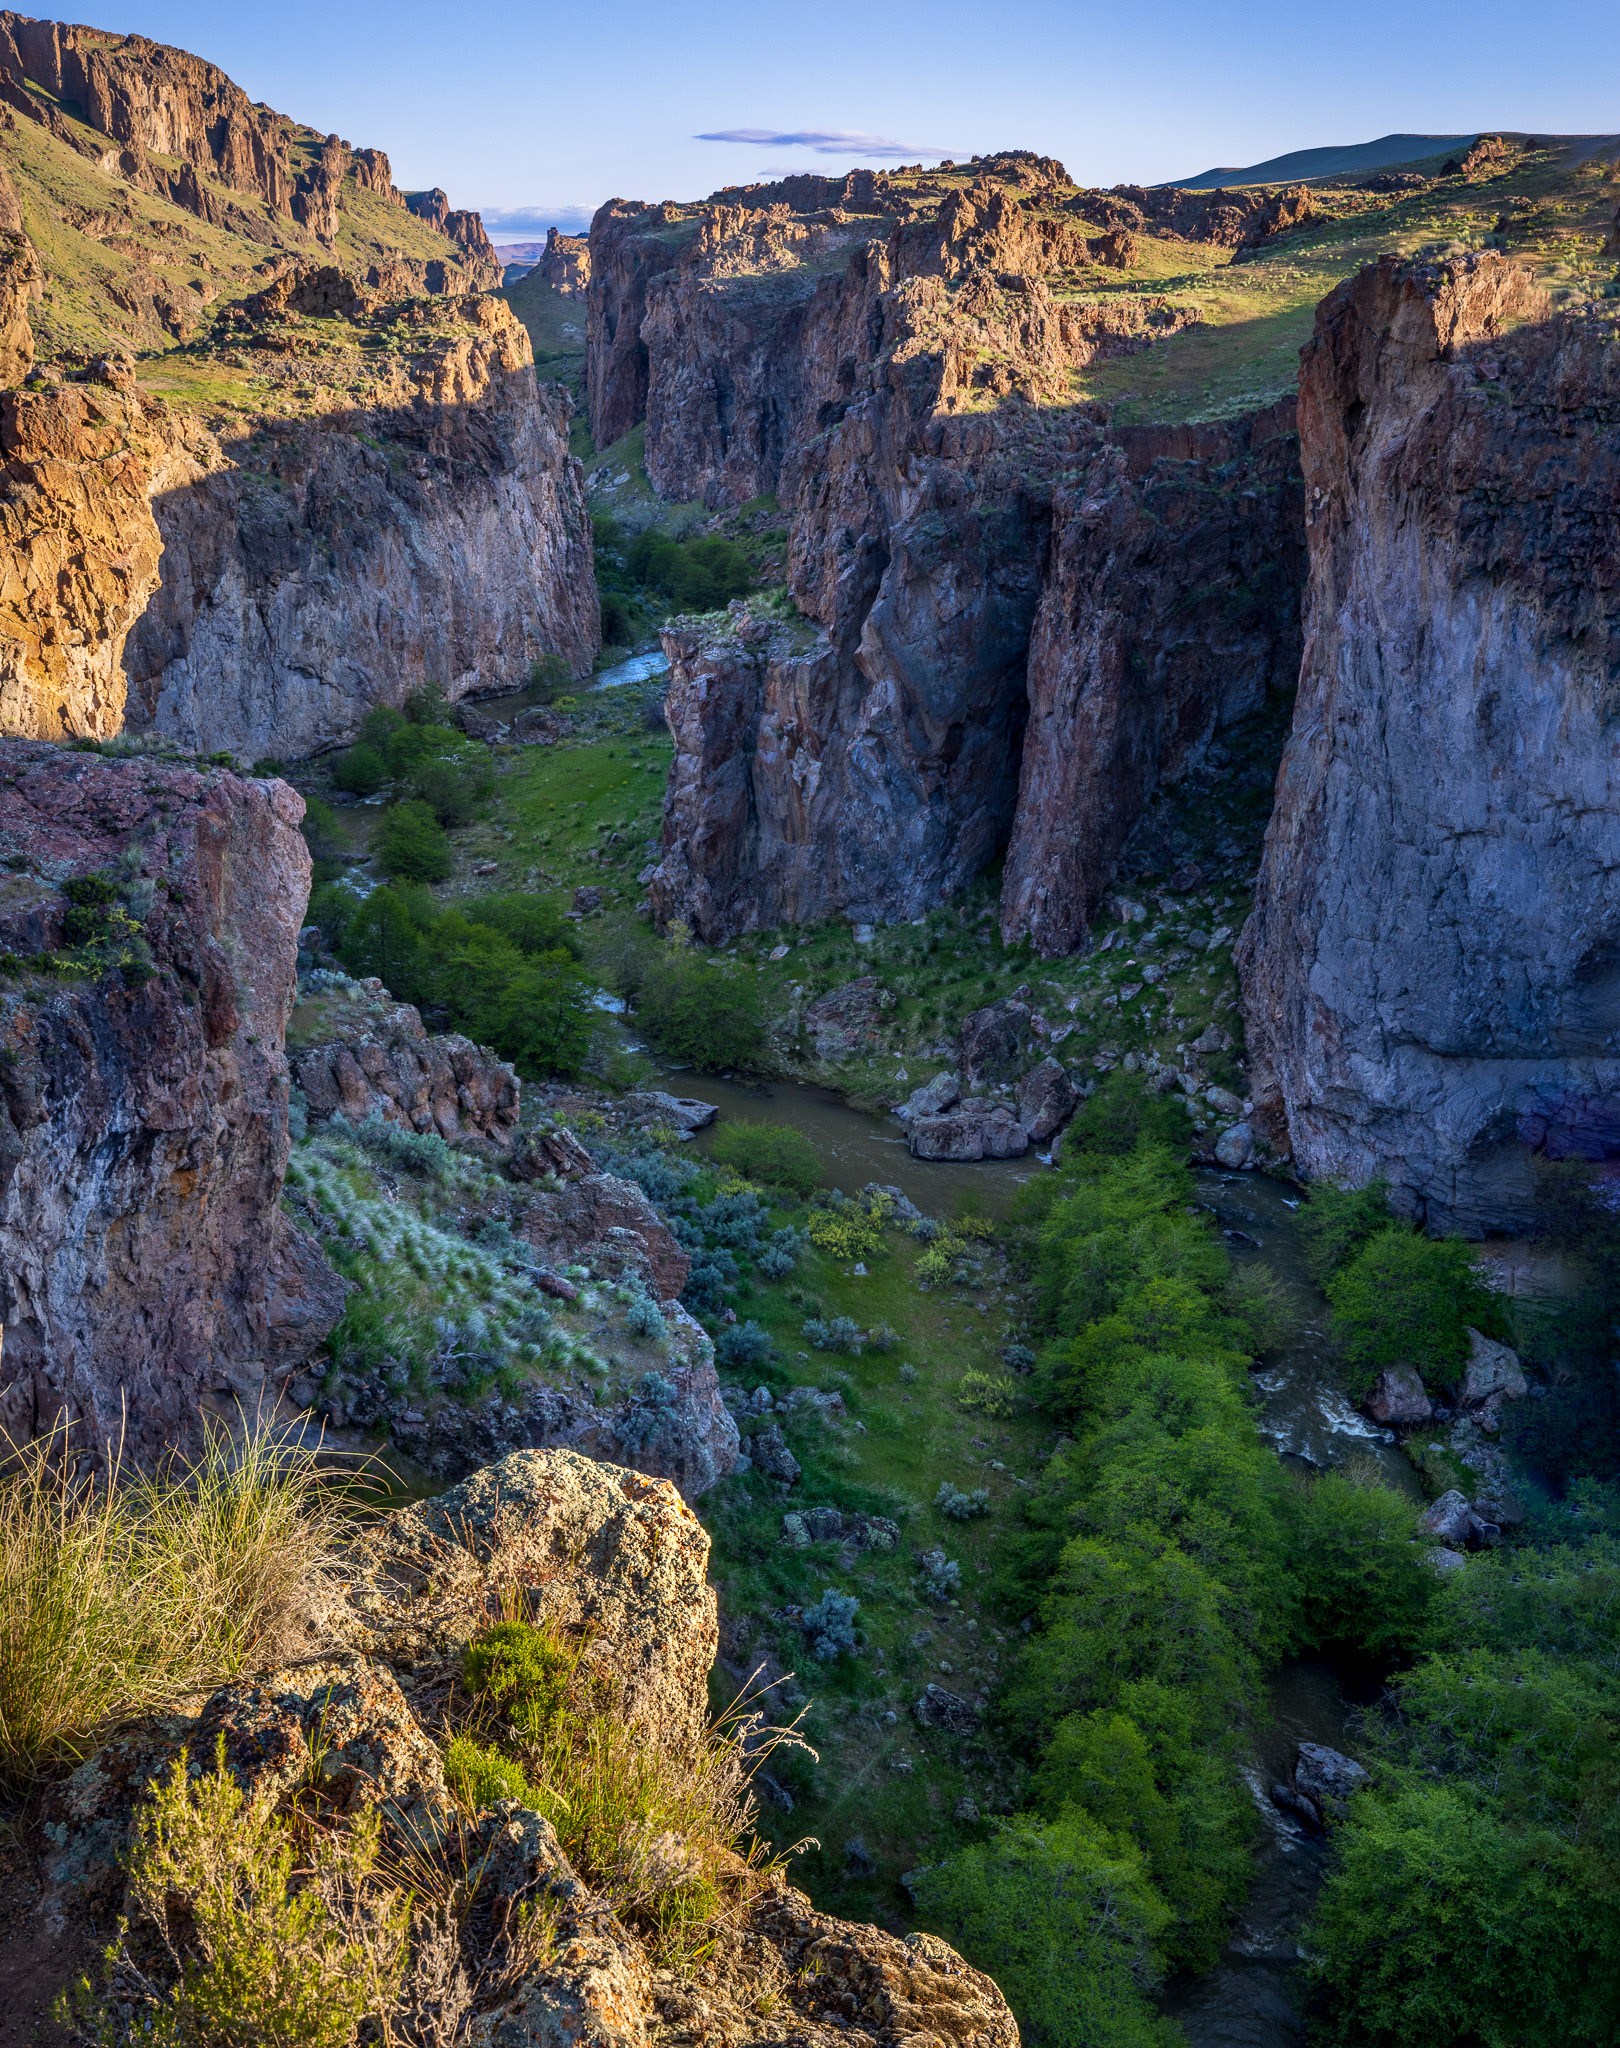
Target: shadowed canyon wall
1432 970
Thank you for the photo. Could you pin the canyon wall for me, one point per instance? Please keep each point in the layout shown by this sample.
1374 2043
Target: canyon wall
340 562
150 919
1170 609
79 465
902 384
1432 969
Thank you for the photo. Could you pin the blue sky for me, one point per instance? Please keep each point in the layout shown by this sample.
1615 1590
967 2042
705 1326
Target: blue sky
537 113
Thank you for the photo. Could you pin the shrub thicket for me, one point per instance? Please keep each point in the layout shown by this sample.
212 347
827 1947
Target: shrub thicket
502 969
706 1016
1404 1299
773 1153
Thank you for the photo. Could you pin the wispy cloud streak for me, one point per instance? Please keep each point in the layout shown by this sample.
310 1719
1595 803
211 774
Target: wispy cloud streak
824 141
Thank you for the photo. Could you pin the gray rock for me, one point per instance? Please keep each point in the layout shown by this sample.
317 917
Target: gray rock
1455 1522
684 1112
1399 1399
1327 1778
772 1455
1493 1370
994 1040
1224 1102
976 1129
1046 1100
901 1205
1429 976
930 1099
1235 1147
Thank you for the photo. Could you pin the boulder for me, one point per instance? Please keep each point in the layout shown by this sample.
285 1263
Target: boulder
831 1525
1234 1148
931 1099
770 1453
1046 1100
1493 1371
901 1206
683 1112
976 1129
1399 1400
842 1024
938 1708
1454 1522
993 1041
609 1225
537 1155
1327 1778
368 1058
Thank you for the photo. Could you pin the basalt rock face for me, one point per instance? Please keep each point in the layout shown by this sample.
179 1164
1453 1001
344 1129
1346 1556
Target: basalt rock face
143 1103
304 585
392 1067
1171 607
897 378
1432 971
79 464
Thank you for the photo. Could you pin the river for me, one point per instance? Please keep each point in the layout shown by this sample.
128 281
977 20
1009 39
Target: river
1248 2000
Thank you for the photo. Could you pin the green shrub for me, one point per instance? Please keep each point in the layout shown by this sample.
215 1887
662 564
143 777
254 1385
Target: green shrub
359 771
1363 1584
534 924
1337 1221
1125 1113
706 1016
269 1946
1265 1308
1062 1914
548 678
323 836
617 619
480 1776
987 1393
696 576
427 704
1407 1300
524 1671
411 845
772 1153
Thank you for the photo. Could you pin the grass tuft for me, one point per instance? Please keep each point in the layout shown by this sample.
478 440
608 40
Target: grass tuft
119 1597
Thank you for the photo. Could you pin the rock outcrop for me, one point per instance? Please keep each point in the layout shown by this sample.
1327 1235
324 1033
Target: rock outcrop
616 1564
873 370
566 263
390 1066
316 574
79 463
151 919
1432 970
1171 608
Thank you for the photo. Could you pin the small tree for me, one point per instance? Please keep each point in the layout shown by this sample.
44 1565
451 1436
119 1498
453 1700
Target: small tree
411 844
1407 1300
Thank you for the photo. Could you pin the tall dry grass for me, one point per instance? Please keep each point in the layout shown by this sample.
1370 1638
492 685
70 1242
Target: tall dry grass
119 1598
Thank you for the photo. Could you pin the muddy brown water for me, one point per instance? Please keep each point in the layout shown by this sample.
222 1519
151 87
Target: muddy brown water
1250 1999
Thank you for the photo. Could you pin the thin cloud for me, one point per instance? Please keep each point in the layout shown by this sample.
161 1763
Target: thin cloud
824 141
529 223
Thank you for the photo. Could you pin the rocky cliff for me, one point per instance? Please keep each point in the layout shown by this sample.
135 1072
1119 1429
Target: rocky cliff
332 563
150 916
79 465
1430 971
173 125
901 378
566 263
1170 609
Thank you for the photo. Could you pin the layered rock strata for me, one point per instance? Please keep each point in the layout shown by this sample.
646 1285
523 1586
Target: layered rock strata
150 916
1432 970
392 1067
330 565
